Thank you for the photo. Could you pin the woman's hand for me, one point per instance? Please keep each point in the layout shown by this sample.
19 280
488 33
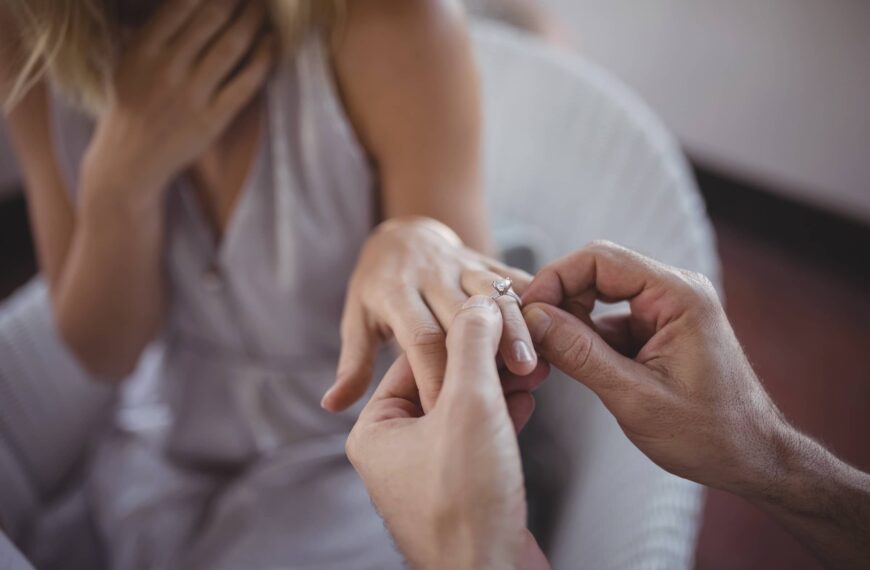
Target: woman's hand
182 79
412 278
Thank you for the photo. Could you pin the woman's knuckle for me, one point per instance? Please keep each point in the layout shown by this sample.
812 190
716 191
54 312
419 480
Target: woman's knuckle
424 335
513 320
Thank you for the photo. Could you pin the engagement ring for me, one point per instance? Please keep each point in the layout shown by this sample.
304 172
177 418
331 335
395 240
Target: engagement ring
504 287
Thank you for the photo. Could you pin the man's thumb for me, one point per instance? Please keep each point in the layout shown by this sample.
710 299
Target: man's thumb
472 343
573 347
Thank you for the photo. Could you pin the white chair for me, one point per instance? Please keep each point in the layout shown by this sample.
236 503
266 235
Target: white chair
571 156
49 409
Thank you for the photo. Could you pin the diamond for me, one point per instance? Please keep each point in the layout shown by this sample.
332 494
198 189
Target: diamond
502 286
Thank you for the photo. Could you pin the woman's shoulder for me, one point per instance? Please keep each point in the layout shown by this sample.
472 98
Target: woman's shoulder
419 19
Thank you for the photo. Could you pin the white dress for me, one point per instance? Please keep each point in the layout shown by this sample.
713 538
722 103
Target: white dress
220 455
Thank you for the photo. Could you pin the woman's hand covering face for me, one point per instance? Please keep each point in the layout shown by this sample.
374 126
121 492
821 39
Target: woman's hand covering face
183 77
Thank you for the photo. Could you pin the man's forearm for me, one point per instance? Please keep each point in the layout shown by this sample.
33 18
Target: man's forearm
822 501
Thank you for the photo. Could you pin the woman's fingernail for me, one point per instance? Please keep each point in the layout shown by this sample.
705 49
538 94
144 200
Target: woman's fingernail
522 352
538 322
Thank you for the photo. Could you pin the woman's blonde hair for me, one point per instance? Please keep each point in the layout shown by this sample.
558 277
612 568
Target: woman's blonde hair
75 43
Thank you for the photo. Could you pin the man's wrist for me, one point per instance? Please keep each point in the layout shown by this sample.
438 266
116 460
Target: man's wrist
805 479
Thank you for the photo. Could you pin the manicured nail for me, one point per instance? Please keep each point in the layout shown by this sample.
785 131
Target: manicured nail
522 352
538 322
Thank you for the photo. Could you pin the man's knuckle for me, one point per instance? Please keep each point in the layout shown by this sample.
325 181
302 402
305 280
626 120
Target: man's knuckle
700 287
578 349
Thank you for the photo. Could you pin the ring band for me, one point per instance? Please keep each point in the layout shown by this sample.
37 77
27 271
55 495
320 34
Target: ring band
504 287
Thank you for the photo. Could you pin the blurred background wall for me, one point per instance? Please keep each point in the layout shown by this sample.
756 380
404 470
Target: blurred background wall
773 91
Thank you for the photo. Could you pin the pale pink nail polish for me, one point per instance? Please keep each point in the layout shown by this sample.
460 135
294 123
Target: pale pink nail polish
522 352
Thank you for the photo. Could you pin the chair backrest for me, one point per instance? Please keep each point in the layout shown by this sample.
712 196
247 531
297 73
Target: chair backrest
49 409
571 156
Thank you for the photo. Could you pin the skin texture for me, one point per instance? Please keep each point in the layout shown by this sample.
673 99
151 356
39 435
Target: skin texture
429 474
670 370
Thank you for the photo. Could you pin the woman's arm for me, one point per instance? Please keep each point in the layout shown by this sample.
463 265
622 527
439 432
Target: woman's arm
171 98
410 85
101 261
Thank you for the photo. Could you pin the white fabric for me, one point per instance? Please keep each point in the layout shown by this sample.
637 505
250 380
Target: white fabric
49 408
49 411
572 156
10 557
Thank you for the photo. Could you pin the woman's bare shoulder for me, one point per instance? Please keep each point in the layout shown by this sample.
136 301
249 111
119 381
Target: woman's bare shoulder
396 58
405 18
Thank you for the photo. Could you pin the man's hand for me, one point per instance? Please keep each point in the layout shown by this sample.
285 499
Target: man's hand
675 377
449 484
670 370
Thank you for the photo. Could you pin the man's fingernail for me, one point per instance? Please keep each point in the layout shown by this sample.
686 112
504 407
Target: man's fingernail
538 322
522 352
478 302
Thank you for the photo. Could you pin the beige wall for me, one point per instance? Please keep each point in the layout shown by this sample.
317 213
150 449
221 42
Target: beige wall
774 90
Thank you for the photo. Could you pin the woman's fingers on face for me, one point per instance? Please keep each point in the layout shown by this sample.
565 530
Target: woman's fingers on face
169 19
203 25
233 43
515 346
247 82
356 361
